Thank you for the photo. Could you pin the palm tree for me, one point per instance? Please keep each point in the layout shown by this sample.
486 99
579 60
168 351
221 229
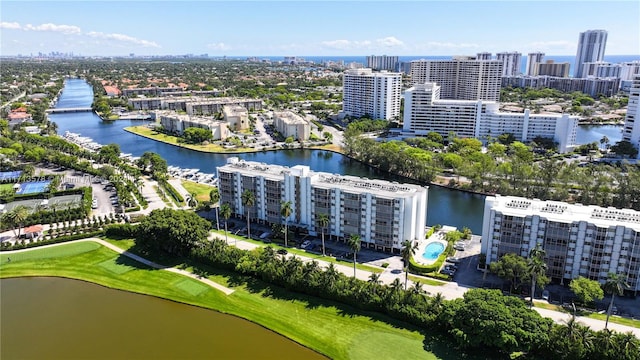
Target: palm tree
614 285
285 212
214 197
354 244
15 218
408 250
323 221
417 288
374 278
536 267
225 211
191 200
604 140
248 200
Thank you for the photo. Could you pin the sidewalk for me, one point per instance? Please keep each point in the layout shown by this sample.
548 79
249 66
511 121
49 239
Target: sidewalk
137 258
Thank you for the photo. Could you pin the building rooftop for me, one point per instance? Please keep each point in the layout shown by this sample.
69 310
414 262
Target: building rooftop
567 213
346 182
289 117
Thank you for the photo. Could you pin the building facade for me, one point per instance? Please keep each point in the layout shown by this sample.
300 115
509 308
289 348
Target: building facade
424 112
510 63
552 68
631 130
591 46
236 116
483 56
383 62
292 125
533 59
592 86
460 78
588 241
375 94
178 123
383 214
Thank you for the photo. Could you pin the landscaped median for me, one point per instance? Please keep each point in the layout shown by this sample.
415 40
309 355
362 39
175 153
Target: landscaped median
319 324
296 251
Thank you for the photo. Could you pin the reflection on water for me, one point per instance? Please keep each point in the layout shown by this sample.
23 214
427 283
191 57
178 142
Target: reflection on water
53 318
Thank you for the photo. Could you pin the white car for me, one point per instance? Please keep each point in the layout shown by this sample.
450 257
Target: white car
305 244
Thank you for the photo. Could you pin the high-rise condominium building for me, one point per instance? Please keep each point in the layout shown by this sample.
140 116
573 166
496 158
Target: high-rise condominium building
510 62
591 46
631 131
375 94
383 214
425 112
383 62
483 56
460 78
588 241
551 68
533 59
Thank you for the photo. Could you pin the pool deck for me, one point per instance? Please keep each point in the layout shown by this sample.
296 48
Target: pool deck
438 236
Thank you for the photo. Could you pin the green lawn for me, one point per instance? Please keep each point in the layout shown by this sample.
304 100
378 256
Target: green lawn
336 330
603 317
296 251
202 190
6 187
426 281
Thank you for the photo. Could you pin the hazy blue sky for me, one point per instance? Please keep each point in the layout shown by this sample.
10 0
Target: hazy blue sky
301 28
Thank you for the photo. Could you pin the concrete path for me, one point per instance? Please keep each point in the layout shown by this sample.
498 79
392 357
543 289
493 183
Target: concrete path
450 290
137 258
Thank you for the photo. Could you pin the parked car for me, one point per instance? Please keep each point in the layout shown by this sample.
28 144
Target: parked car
448 272
305 244
458 247
282 251
450 267
453 260
545 295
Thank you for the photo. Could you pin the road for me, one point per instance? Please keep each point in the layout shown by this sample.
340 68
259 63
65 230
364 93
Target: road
450 290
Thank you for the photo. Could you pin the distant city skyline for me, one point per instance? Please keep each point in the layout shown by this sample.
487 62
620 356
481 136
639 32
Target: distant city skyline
308 28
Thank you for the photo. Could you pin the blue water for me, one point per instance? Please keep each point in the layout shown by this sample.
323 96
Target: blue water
363 59
433 250
587 134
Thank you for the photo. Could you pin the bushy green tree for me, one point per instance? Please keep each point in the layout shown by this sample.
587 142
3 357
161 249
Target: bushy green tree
586 290
171 231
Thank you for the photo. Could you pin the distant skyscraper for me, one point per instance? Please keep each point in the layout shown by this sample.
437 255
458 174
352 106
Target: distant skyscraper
371 93
591 45
551 68
483 56
382 62
510 62
533 59
631 130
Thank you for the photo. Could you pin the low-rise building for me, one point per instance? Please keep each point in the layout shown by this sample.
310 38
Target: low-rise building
18 117
236 116
289 124
178 123
383 214
588 241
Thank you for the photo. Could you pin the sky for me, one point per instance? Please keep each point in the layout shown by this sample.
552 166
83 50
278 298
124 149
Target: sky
313 28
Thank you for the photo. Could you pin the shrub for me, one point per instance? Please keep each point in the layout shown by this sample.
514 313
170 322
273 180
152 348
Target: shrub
121 231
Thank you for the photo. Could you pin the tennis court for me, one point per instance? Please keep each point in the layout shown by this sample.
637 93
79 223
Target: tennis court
56 202
10 176
33 187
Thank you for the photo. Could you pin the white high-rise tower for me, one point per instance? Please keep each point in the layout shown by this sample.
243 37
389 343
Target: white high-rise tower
533 59
510 63
375 94
631 131
591 45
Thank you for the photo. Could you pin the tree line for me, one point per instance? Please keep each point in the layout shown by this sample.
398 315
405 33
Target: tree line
482 320
513 168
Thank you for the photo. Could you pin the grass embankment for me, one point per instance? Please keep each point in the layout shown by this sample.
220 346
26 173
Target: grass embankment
201 190
174 140
335 330
290 250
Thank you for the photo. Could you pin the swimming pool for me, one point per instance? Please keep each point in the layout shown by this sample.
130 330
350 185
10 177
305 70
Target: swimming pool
433 250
